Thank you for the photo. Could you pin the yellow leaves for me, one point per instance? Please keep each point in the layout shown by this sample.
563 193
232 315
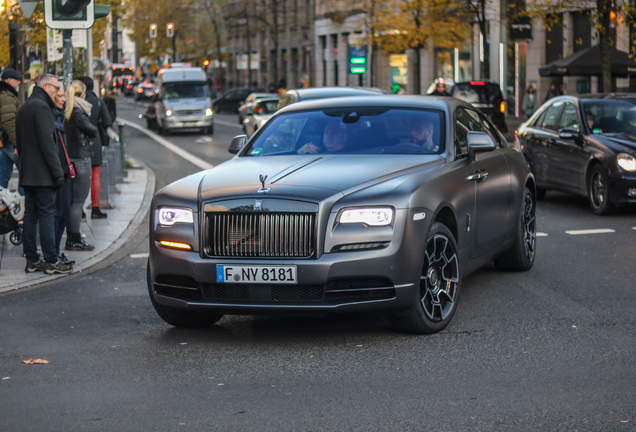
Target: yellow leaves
35 361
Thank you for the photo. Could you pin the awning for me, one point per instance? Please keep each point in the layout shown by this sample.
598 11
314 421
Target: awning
588 62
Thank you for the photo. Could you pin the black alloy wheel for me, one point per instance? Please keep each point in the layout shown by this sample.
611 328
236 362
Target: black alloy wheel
439 286
521 255
598 192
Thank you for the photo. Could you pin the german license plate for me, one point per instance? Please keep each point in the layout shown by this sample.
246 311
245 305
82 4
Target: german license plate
256 274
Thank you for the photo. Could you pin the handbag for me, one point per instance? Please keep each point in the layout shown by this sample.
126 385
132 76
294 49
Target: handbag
72 172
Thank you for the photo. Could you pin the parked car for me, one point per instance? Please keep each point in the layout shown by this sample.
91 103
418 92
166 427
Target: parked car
247 106
129 88
297 95
263 110
487 97
145 90
231 100
337 205
584 145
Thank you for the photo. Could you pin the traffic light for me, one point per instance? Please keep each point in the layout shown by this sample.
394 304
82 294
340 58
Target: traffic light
170 30
153 30
69 14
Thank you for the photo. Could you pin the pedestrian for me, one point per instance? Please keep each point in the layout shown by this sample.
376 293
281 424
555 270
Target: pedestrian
41 175
63 198
110 100
552 92
101 120
529 102
440 88
9 105
79 131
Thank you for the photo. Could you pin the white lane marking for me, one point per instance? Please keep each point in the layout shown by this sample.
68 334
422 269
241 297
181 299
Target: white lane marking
540 234
140 255
170 146
225 123
204 140
591 231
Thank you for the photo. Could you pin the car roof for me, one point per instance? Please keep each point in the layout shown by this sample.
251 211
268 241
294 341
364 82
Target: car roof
443 103
324 92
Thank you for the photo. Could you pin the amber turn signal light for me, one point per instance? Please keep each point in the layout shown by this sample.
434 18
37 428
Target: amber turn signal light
175 245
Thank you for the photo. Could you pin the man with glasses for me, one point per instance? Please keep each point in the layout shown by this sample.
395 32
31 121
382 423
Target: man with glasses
41 175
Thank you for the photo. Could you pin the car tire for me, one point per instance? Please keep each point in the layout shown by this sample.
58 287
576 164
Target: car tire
541 192
178 317
439 286
598 192
521 255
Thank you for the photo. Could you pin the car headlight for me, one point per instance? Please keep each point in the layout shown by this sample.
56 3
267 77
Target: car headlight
168 216
208 111
373 216
626 161
168 112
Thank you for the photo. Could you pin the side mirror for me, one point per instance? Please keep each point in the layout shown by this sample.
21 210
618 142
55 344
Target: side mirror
479 142
237 144
568 134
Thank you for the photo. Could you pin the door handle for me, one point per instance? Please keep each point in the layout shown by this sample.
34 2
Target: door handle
478 176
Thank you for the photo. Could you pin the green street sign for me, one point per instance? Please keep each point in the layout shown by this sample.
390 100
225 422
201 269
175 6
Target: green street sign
358 70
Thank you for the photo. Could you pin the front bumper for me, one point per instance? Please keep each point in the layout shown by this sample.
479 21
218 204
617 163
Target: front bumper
622 188
383 279
188 122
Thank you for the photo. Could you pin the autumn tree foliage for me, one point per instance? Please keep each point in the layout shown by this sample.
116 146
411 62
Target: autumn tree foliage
414 24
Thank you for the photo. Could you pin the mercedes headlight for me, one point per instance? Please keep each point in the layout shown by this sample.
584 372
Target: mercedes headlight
371 216
168 216
208 111
168 112
626 161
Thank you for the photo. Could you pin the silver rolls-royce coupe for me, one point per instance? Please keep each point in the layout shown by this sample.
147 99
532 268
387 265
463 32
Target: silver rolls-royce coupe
370 203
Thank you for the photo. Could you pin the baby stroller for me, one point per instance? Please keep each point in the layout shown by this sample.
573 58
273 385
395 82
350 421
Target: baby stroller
11 215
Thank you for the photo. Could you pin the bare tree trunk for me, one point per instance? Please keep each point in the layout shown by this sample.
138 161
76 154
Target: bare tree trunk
604 8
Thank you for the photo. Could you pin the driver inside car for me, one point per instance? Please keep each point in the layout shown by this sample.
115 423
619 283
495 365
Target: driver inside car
334 138
422 131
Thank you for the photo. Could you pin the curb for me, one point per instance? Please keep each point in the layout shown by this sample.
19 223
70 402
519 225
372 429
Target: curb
116 245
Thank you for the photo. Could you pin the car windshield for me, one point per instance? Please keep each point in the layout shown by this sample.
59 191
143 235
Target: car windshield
185 90
369 130
476 93
610 116
266 107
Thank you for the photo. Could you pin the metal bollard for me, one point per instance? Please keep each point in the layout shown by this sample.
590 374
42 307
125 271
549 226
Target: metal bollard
113 157
104 195
119 174
121 143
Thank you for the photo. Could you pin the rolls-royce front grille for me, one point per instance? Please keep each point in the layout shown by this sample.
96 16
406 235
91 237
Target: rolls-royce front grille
275 235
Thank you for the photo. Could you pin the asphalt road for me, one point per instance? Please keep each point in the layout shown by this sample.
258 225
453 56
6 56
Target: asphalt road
552 349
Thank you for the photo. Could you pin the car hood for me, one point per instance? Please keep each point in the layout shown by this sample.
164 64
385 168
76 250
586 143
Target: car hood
311 178
620 141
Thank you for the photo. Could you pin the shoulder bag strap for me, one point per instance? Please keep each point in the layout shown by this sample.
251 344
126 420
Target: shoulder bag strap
68 161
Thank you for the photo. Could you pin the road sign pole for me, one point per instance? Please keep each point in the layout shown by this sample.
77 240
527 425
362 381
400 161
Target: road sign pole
67 52
89 51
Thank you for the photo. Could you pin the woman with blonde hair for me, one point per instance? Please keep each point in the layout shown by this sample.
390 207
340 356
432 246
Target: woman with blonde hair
79 131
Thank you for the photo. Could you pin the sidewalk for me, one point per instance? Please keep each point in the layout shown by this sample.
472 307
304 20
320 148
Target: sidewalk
108 235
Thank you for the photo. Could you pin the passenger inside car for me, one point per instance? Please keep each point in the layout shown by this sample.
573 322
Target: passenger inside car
334 139
422 131
591 122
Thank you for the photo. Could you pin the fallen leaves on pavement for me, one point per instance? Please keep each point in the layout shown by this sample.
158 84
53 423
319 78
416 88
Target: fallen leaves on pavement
35 361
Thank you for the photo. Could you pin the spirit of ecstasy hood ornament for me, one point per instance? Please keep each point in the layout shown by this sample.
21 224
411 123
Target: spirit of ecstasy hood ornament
262 178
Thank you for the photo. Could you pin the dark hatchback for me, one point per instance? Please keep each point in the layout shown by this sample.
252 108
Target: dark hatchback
586 146
232 100
485 96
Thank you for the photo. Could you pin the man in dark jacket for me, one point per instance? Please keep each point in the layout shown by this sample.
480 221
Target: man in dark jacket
41 175
101 120
9 106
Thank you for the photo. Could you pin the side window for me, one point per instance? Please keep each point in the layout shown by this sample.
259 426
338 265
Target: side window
569 118
466 121
539 120
493 132
551 115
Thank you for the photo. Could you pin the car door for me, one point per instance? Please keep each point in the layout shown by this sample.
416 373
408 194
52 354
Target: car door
568 154
492 194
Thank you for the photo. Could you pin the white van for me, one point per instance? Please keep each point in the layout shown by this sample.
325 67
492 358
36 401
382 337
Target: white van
183 100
